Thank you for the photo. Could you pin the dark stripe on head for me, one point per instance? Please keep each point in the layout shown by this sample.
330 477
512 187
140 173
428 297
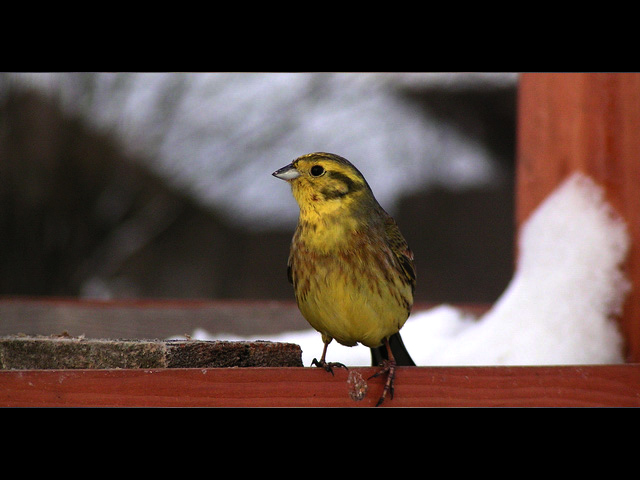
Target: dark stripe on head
348 182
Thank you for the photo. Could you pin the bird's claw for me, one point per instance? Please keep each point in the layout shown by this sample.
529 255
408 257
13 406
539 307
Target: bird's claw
389 368
328 366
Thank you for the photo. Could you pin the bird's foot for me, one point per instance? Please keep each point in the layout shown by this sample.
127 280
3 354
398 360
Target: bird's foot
388 367
328 366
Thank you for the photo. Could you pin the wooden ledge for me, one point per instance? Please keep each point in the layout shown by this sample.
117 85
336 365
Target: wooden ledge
544 386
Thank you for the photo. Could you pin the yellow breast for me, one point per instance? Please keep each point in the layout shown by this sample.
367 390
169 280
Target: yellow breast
349 293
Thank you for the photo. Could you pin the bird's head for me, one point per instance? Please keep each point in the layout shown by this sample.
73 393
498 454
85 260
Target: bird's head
325 183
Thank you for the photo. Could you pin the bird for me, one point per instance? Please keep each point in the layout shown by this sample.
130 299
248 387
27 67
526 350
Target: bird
352 271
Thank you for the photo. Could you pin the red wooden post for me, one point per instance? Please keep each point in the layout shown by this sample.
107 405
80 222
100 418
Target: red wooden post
588 122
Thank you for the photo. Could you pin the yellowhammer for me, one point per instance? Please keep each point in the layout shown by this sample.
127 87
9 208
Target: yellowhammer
351 269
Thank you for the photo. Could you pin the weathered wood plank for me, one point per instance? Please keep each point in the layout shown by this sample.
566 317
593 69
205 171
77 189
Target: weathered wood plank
19 352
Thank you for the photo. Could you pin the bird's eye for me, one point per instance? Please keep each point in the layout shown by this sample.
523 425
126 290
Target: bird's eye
317 170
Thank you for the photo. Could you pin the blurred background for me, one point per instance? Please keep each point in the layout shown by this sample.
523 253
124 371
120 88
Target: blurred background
158 185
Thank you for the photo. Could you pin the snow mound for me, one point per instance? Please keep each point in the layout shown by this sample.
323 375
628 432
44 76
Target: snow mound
568 285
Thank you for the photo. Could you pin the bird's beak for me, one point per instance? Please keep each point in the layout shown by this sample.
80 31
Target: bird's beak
288 172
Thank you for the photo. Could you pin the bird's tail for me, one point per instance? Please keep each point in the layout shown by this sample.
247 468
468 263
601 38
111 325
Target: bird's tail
400 353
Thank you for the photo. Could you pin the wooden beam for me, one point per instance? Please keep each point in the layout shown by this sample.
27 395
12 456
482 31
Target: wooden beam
557 386
588 122
143 318
154 318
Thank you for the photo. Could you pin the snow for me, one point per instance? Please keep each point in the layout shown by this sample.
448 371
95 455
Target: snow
557 309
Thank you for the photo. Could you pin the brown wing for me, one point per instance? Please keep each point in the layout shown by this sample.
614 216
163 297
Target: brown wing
401 249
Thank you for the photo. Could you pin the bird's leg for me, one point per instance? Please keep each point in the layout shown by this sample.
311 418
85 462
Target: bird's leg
390 367
328 366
